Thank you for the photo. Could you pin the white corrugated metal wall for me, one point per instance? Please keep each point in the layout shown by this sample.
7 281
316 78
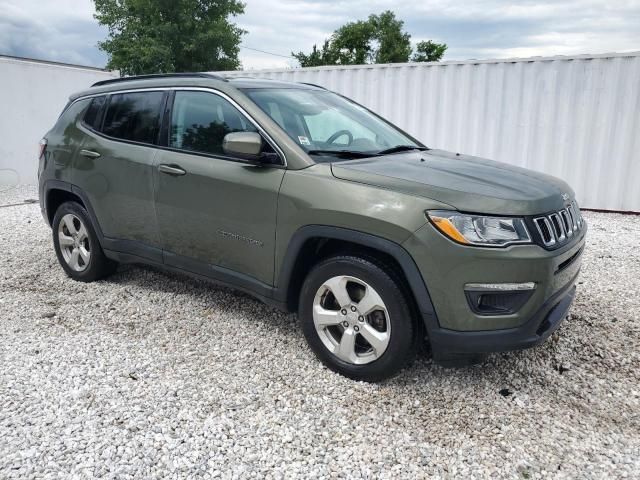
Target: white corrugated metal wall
32 95
577 118
574 117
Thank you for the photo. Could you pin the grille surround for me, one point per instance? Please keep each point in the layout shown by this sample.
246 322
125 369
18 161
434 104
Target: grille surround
559 227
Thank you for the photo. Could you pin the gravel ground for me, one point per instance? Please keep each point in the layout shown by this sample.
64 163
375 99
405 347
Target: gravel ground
150 375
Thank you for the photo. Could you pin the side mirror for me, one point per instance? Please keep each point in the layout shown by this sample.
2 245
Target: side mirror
243 144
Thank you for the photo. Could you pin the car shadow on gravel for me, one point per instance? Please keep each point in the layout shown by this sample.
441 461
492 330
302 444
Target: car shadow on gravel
216 296
229 301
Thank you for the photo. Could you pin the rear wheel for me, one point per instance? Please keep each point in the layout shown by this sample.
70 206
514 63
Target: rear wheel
77 246
356 318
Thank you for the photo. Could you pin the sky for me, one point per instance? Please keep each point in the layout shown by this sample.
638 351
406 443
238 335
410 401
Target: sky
65 30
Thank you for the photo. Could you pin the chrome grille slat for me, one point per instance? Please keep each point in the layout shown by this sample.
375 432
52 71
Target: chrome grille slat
566 219
578 214
572 214
558 227
544 221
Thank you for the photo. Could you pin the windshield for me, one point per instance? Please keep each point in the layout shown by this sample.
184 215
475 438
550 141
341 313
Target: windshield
326 124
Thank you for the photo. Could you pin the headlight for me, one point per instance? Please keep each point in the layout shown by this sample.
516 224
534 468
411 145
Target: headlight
479 229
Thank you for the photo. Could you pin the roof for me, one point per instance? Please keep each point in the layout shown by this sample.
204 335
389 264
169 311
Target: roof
156 76
202 79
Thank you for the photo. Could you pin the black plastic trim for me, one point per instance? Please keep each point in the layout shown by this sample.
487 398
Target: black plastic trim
214 274
447 344
517 300
409 268
165 123
133 247
222 274
569 260
44 190
158 75
52 184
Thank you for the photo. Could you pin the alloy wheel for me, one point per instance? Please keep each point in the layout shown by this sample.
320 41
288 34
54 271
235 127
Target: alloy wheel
351 320
74 242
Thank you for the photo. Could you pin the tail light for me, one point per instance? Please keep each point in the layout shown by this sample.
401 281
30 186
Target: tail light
43 147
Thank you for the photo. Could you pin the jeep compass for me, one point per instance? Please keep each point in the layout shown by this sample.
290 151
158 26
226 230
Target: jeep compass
316 205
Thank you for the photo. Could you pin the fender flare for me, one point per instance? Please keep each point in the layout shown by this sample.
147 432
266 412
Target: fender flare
407 264
68 187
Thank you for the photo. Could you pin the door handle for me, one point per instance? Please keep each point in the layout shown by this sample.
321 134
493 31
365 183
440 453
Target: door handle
89 154
172 170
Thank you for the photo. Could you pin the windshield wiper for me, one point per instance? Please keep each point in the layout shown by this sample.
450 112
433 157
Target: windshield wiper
343 153
400 148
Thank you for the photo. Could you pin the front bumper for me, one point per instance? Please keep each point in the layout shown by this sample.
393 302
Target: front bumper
450 347
454 330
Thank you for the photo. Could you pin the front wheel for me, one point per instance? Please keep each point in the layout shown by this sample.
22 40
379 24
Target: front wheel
356 318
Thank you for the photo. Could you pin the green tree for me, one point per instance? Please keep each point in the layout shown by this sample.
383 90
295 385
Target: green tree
162 36
351 43
429 51
324 56
394 45
379 39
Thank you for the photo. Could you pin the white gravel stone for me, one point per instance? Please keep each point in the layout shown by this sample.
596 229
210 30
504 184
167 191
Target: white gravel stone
150 375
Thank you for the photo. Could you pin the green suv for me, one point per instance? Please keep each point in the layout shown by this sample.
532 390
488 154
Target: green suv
316 205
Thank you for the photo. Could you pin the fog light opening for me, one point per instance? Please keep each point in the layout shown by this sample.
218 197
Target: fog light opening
498 298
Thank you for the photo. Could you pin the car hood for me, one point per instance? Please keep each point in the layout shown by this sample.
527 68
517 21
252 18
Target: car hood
469 184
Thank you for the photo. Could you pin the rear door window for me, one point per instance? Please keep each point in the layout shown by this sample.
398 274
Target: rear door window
134 116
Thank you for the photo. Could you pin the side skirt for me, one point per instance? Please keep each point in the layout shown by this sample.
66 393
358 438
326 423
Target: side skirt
202 271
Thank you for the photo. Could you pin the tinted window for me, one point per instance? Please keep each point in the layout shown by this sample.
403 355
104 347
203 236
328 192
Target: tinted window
134 116
93 115
200 120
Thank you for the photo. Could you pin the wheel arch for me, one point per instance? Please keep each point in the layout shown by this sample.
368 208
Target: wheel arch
311 243
56 192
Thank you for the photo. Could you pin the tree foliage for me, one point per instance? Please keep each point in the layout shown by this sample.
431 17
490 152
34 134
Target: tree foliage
162 36
394 45
379 39
429 51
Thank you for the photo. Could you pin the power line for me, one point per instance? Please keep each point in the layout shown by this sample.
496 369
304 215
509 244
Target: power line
268 53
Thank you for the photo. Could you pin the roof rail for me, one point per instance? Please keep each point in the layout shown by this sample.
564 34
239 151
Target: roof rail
314 85
159 75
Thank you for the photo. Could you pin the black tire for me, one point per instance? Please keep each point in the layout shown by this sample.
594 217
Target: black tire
401 347
98 265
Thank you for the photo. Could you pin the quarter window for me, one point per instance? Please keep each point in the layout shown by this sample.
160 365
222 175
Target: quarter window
93 115
200 120
134 116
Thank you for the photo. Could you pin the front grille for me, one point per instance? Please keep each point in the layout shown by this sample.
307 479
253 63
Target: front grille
559 227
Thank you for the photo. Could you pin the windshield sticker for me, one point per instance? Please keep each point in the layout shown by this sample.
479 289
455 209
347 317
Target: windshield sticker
304 140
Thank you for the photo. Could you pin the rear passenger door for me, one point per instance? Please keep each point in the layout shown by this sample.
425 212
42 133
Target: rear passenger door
115 168
216 213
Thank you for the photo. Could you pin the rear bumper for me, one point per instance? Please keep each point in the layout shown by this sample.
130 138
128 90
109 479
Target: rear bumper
450 347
